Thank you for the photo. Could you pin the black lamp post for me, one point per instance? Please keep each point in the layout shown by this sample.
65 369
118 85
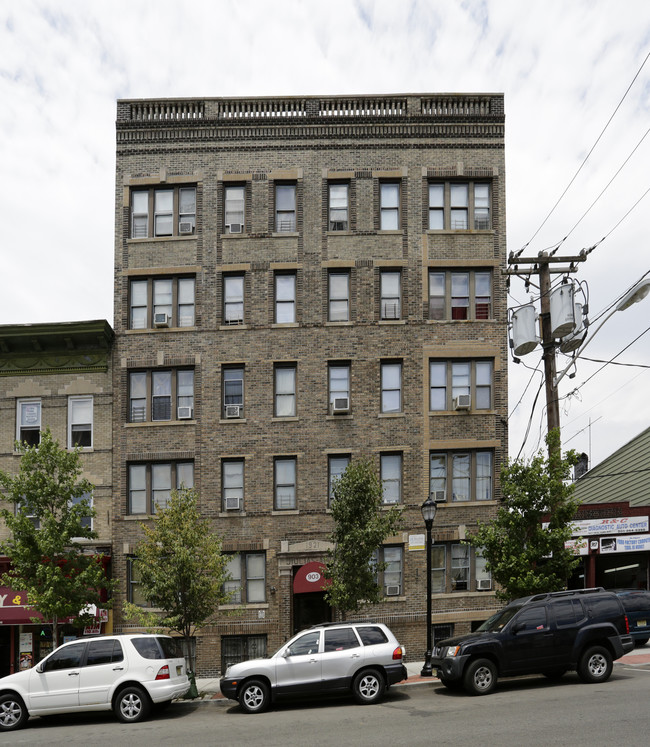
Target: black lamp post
428 509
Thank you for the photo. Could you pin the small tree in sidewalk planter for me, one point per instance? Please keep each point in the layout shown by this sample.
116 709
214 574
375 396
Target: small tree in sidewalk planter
47 521
181 571
524 556
361 524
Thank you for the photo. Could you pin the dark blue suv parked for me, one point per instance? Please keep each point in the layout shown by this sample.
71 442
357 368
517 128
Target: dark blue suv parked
636 603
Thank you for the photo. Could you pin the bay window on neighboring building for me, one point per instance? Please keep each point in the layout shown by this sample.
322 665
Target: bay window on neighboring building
247 583
461 476
150 484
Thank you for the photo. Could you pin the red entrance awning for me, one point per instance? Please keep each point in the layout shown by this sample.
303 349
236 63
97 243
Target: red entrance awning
14 609
310 577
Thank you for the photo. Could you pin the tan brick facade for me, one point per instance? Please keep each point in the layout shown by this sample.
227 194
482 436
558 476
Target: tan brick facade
308 144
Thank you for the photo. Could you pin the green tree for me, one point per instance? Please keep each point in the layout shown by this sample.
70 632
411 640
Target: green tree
181 570
46 524
524 556
360 527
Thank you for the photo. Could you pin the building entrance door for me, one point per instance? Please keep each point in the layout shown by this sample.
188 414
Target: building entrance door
310 609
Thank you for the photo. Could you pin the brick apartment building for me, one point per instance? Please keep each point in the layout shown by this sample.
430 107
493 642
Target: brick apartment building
300 282
55 376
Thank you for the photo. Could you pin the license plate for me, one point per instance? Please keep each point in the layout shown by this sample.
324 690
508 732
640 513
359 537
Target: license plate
641 623
179 670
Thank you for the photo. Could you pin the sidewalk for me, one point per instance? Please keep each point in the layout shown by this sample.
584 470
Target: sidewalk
209 688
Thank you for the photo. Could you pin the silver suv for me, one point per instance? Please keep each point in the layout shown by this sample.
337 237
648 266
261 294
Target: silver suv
127 674
362 658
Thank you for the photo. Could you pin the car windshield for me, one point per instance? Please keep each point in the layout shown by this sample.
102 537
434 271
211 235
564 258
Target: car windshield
498 621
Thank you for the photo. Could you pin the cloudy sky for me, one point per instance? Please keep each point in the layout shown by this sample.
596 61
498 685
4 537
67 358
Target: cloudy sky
563 65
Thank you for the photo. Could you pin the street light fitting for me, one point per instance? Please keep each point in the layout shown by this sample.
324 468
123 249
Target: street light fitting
636 294
429 508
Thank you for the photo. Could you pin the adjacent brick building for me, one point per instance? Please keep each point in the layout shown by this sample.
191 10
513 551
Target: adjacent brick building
55 376
300 282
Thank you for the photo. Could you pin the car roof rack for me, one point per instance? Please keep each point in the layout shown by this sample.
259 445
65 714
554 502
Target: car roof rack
564 593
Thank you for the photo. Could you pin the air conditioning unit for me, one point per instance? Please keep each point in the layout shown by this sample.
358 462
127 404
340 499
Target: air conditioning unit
234 227
161 319
393 591
340 405
462 402
184 413
233 503
233 411
484 584
439 496
185 226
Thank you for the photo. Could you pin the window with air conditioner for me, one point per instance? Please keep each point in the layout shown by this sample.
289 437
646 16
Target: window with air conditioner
163 212
232 484
460 385
156 395
234 207
161 302
339 386
389 561
461 475
233 392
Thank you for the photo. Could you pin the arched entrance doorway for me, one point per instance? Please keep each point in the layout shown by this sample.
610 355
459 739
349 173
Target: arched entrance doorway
309 605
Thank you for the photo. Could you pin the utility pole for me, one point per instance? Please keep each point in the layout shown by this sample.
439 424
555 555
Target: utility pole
544 266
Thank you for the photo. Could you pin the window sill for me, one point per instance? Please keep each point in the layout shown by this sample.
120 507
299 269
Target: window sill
390 600
284 325
451 232
454 594
347 232
147 239
158 423
285 512
223 327
285 234
231 514
446 413
391 415
245 606
457 321
149 330
232 420
339 324
392 321
288 419
451 504
138 517
349 416
241 235
82 450
391 231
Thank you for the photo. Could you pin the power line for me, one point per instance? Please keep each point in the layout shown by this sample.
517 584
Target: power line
586 157
616 474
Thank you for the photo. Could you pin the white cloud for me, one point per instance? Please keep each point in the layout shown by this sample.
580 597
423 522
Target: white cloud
562 66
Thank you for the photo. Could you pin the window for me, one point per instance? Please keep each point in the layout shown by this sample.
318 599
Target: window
339 386
86 521
459 206
285 482
80 422
133 581
460 567
339 206
532 618
104 652
483 576
305 645
285 391
238 648
232 484
285 298
339 639
234 209
233 299
247 578
460 295
150 485
161 395
285 208
391 295
455 383
391 387
390 578
169 211
389 218
28 421
339 297
233 392
391 477
438 569
65 658
471 476
336 466
161 302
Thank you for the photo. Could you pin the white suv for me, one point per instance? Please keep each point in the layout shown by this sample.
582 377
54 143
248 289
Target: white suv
362 658
127 674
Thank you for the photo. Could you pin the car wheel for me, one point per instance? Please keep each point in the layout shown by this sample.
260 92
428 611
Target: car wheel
595 665
13 714
254 697
480 677
368 687
132 705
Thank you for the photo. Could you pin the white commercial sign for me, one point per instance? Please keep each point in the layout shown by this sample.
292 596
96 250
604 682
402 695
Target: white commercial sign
595 527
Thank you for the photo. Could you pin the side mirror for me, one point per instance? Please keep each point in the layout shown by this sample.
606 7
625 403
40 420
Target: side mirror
517 627
39 668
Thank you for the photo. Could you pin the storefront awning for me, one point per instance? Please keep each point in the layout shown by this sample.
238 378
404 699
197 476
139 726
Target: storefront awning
14 609
309 578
